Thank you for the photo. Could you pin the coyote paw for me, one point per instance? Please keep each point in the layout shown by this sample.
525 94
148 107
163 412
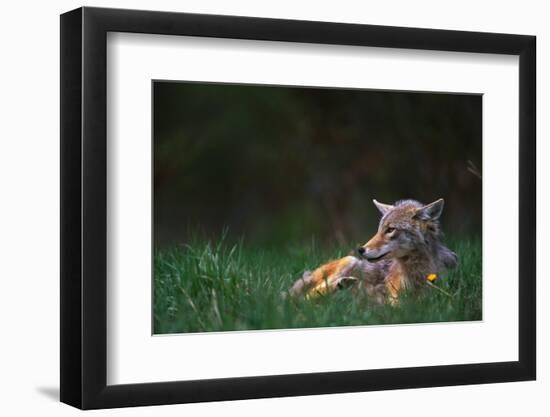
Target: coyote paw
301 285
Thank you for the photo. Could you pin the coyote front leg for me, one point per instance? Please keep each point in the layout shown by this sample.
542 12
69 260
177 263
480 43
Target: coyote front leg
334 275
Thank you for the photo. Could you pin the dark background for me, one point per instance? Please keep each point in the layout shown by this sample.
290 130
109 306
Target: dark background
276 164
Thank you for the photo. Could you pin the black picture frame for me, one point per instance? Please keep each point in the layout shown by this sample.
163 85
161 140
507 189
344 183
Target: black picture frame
84 207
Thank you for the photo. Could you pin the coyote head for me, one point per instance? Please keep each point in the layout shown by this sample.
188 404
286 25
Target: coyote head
405 227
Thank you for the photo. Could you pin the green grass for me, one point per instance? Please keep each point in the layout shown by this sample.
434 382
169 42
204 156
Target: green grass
222 286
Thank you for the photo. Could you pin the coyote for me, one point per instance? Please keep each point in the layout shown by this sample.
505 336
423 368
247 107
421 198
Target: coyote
404 252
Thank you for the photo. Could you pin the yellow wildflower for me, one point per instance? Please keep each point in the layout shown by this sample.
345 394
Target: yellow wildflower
431 277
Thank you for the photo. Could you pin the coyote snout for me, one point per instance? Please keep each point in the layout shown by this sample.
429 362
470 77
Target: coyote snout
405 250
373 254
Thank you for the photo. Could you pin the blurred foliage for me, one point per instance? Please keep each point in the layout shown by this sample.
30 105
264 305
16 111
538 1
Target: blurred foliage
278 163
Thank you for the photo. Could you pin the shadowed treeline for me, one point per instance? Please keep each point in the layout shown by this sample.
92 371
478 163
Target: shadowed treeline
275 164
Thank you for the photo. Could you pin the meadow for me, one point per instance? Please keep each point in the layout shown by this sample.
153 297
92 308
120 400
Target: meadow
207 286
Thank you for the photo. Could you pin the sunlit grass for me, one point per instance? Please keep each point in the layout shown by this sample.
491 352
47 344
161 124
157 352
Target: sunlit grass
221 286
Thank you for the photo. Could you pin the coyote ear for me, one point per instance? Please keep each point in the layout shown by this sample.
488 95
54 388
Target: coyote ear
382 208
431 211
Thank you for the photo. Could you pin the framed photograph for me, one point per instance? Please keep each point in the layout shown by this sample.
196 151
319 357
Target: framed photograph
257 208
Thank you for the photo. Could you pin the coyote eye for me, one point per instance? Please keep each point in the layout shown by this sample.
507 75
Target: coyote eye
390 230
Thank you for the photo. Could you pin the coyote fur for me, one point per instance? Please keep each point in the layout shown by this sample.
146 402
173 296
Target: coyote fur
406 249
